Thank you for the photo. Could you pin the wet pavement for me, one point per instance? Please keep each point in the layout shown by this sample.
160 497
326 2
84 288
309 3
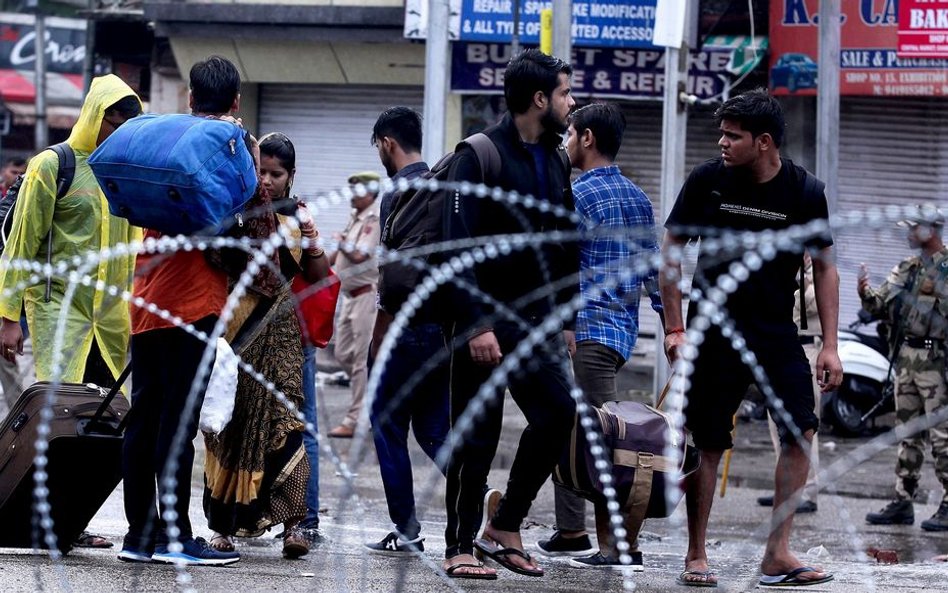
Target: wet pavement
835 537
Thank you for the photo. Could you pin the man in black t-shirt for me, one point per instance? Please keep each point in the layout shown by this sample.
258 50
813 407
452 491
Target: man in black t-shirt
750 189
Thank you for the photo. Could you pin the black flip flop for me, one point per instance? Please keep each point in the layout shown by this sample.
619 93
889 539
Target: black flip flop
792 579
91 540
499 555
451 571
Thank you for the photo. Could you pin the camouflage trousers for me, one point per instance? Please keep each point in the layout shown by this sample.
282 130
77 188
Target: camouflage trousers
920 389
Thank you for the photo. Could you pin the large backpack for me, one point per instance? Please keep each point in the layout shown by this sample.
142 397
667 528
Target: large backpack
65 173
176 174
418 218
636 440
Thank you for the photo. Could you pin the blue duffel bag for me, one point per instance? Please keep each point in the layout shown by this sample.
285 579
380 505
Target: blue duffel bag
176 174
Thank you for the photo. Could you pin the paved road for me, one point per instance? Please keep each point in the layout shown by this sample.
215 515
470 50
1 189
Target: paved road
835 537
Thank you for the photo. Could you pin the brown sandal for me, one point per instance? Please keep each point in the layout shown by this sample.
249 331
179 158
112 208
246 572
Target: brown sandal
295 543
221 543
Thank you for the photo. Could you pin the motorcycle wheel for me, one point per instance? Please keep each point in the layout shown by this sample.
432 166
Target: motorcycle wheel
843 415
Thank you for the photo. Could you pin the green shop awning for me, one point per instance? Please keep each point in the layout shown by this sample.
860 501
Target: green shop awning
746 51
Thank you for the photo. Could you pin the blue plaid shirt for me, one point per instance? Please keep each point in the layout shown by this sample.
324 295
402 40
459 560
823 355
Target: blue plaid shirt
609 282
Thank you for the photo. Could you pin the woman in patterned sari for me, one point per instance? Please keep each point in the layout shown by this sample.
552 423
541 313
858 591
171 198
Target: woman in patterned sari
256 470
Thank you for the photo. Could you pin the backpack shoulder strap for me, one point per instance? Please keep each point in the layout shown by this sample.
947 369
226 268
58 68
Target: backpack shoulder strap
64 176
487 155
813 188
67 168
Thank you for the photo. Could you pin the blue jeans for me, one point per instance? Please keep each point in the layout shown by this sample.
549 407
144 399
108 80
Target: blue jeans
309 438
413 390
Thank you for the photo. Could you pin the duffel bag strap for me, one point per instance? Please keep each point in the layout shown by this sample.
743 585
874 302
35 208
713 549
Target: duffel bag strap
659 463
637 503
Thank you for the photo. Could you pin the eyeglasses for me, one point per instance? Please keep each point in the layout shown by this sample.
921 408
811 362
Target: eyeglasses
114 125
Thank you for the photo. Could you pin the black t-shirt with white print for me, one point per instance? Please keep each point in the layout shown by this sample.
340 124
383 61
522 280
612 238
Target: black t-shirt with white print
717 201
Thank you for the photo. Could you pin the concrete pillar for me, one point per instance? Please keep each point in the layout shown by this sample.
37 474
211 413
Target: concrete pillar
452 124
250 108
169 94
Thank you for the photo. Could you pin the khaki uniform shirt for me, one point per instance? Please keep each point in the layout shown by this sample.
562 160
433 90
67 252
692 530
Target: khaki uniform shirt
363 233
915 295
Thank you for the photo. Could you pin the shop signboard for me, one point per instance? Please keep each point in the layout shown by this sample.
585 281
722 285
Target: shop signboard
65 45
595 23
598 72
923 29
869 59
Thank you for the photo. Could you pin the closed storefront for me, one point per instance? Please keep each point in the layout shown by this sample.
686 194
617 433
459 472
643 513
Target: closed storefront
331 128
892 153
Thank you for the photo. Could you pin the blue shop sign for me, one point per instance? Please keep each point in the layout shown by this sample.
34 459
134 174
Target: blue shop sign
598 72
596 23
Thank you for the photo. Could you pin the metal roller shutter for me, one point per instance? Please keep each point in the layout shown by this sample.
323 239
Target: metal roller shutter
892 151
641 155
330 127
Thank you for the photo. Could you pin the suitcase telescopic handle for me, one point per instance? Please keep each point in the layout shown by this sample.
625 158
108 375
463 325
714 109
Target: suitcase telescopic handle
112 393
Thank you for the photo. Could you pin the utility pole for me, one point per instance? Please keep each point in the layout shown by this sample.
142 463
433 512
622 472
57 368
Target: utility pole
42 131
88 64
827 103
515 40
562 30
437 69
674 130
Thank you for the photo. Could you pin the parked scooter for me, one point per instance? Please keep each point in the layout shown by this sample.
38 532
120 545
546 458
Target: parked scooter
868 387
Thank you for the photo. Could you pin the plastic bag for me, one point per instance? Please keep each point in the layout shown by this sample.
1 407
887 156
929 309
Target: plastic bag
221 391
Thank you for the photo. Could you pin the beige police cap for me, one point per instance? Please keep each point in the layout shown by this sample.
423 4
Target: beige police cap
365 177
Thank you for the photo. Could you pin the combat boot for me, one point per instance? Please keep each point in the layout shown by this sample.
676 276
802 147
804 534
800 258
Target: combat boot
899 512
939 521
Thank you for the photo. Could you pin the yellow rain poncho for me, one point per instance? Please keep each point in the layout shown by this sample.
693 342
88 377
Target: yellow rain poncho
80 223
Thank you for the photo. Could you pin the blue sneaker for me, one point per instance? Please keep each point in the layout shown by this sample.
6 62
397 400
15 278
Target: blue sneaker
129 554
194 552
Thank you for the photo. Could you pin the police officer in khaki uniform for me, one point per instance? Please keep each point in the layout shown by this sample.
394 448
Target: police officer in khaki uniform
358 272
914 298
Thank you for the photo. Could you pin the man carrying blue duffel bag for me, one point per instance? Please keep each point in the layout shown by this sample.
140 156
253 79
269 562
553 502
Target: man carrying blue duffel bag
166 358
178 173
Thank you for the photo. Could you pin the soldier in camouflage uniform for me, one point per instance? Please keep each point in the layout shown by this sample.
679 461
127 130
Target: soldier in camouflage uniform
914 298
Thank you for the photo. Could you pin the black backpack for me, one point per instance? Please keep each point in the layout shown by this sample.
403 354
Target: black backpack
418 218
64 176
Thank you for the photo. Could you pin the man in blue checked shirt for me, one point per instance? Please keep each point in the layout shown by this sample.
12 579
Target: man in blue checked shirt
615 261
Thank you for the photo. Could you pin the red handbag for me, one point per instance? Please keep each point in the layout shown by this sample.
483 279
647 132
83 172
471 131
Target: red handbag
316 308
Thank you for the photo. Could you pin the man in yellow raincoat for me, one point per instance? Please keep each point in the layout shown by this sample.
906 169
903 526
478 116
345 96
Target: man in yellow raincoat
96 324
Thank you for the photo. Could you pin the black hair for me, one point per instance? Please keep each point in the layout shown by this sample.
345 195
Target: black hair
528 72
757 112
403 124
606 123
215 84
14 162
278 146
127 107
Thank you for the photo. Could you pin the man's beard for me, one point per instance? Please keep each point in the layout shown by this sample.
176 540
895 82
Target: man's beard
390 169
551 124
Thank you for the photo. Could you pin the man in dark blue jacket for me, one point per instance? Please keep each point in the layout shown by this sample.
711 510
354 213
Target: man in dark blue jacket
413 387
497 303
